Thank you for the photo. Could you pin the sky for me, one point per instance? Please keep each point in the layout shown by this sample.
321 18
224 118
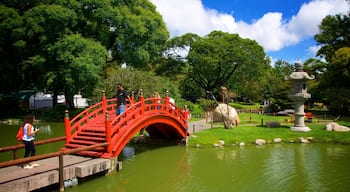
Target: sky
284 28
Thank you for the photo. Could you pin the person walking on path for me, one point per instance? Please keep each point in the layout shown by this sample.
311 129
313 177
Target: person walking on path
122 97
28 139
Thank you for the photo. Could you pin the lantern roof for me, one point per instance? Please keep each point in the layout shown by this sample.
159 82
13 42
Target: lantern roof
299 74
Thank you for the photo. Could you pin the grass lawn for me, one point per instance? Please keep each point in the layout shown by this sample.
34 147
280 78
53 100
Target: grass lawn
250 129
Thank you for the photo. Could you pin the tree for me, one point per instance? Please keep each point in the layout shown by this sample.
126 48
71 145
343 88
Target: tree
317 68
335 82
276 88
334 34
9 59
334 38
215 58
79 62
134 80
131 30
140 34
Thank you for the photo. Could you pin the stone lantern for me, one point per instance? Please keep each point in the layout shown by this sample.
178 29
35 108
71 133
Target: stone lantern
299 95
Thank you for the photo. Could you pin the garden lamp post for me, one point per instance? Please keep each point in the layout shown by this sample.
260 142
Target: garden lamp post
299 95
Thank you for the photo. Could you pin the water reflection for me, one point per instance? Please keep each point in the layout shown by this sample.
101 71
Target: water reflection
285 167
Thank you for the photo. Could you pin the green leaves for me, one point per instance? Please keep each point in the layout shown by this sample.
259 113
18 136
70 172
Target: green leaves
71 38
78 64
334 34
215 58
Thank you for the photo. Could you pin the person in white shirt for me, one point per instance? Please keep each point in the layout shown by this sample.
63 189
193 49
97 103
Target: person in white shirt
28 139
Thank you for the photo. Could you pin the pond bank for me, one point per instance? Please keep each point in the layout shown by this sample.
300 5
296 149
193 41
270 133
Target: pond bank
208 134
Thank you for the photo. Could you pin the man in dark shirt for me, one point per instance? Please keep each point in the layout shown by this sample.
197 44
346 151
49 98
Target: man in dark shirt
122 97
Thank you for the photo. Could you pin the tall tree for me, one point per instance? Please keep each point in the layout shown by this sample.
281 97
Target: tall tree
131 30
79 62
214 58
140 35
9 57
334 34
335 82
276 88
317 68
133 81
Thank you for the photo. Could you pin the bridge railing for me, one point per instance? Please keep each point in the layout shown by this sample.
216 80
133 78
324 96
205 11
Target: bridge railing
141 109
137 109
87 115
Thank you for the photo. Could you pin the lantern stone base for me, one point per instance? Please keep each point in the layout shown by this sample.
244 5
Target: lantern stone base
300 129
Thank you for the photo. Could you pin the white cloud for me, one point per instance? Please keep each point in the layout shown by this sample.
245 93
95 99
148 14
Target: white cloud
269 31
272 31
310 15
313 49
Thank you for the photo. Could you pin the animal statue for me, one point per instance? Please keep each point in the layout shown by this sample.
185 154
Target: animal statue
333 126
227 114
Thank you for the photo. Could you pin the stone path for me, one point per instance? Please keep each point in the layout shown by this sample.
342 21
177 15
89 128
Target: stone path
195 126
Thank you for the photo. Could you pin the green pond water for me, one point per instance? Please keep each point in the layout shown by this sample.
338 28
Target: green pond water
274 167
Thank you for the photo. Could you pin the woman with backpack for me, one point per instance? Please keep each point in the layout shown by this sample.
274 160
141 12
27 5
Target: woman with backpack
28 139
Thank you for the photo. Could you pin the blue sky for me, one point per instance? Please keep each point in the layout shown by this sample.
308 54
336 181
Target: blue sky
285 28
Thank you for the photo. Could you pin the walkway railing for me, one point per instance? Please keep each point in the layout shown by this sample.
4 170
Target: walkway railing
60 154
15 148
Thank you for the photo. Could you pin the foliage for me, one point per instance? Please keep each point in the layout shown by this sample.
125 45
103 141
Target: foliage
240 105
132 31
334 34
214 58
207 104
335 82
140 34
134 80
78 63
191 91
276 88
211 62
317 68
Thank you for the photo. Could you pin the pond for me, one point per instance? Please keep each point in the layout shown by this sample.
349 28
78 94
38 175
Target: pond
273 167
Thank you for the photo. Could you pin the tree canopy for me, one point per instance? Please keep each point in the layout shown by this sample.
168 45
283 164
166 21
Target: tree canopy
334 38
215 58
37 41
334 34
335 82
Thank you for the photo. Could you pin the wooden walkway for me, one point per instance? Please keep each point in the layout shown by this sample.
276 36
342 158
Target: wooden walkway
15 178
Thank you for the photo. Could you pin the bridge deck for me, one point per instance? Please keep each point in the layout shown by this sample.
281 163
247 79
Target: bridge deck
15 178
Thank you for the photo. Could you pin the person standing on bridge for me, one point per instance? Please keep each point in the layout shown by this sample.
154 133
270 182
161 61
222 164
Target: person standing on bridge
28 139
122 97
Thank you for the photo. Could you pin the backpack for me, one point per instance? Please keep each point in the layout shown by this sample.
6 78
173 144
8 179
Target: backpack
20 134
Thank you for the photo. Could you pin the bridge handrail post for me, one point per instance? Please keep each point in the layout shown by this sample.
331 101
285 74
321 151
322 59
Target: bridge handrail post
15 154
60 171
142 101
67 126
108 132
104 102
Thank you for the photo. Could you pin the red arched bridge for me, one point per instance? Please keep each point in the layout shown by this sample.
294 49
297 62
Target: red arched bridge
99 124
